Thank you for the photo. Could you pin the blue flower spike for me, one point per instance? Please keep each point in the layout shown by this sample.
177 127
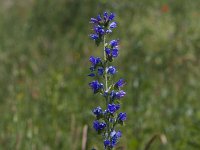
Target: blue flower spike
103 72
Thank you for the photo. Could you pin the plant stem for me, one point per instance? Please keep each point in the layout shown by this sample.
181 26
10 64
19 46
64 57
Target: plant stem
106 83
106 77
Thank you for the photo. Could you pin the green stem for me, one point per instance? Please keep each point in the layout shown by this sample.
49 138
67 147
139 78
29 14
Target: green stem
106 84
106 76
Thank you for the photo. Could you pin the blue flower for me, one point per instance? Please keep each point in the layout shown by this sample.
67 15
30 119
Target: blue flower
117 95
100 71
118 134
96 86
108 51
106 143
91 74
120 94
95 60
97 111
114 139
108 31
121 117
113 25
119 83
115 52
112 108
111 52
111 70
94 36
105 16
111 17
102 25
99 18
114 43
112 95
115 134
98 126
94 20
99 30
102 125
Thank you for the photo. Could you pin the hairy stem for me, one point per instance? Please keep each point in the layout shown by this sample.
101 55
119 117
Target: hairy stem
106 76
106 88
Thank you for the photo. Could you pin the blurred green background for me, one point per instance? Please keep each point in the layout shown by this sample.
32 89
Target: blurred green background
44 96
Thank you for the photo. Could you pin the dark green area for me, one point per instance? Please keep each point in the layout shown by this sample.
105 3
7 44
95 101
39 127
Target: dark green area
44 96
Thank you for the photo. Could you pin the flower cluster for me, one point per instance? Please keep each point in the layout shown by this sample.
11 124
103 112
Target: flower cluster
112 50
102 72
102 25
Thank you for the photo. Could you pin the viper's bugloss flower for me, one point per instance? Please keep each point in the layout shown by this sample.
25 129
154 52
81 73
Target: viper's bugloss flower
117 95
102 25
111 70
99 125
108 17
121 117
111 17
120 94
94 36
94 20
112 108
105 16
96 86
108 51
115 52
108 31
114 43
97 111
100 71
114 139
106 143
99 18
111 52
95 60
99 30
91 74
113 25
119 83
112 95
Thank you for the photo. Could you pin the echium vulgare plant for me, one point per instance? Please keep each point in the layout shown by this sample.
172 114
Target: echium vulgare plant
102 72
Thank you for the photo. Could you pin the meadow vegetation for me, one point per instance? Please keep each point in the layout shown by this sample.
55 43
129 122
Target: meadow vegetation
44 93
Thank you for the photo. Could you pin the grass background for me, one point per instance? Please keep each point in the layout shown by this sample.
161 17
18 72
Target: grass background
44 96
